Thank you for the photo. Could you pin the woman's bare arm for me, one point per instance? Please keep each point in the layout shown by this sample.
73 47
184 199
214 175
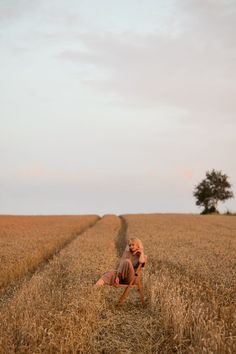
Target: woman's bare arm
142 257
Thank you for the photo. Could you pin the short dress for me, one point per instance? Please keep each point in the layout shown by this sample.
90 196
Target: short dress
125 271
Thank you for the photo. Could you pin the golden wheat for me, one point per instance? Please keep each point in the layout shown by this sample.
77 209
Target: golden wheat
191 280
25 241
56 311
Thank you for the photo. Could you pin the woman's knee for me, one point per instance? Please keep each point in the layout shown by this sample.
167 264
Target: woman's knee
128 266
128 262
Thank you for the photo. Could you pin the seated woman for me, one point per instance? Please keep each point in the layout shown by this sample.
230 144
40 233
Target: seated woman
132 256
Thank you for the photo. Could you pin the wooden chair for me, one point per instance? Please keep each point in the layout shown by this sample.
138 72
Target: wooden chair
137 279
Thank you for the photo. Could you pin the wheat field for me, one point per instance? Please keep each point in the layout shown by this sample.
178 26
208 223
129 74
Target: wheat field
26 241
54 307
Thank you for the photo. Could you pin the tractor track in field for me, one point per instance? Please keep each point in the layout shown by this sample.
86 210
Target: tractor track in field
123 329
7 293
121 239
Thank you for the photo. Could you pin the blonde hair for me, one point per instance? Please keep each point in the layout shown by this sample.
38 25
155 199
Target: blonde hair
137 240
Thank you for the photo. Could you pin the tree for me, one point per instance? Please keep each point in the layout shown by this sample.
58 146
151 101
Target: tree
214 188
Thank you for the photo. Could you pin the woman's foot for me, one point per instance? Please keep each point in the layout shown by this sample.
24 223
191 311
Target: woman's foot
100 282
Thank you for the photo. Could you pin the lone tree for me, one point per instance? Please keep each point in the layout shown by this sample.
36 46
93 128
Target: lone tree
214 188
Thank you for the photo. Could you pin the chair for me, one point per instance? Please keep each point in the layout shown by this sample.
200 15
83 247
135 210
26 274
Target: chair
138 285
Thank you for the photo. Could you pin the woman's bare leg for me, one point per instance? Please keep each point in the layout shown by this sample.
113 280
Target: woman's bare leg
100 282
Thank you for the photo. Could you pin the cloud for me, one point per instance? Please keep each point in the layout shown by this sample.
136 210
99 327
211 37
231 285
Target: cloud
160 71
194 71
13 10
212 20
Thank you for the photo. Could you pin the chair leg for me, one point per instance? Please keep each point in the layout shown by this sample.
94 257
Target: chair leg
124 296
141 293
139 284
126 292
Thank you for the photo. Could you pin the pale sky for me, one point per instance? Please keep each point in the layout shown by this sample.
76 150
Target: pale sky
115 106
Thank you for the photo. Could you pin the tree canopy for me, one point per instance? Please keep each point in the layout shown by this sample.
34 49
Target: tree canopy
212 189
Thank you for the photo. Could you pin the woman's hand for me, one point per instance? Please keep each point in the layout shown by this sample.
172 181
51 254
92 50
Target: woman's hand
140 254
117 281
138 251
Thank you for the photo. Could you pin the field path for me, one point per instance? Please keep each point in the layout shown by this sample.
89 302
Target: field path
189 290
56 310
7 293
125 329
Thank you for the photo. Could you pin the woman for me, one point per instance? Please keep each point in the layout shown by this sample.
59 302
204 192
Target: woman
132 256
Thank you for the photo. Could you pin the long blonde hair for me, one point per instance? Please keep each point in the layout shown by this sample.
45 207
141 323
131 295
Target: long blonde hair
137 240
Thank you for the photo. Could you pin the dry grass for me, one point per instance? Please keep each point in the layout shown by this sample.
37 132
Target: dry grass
26 241
57 310
189 283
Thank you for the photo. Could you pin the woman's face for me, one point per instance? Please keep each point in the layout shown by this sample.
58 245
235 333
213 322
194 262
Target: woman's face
133 246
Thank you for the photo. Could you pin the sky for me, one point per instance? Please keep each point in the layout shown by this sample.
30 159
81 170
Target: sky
115 106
